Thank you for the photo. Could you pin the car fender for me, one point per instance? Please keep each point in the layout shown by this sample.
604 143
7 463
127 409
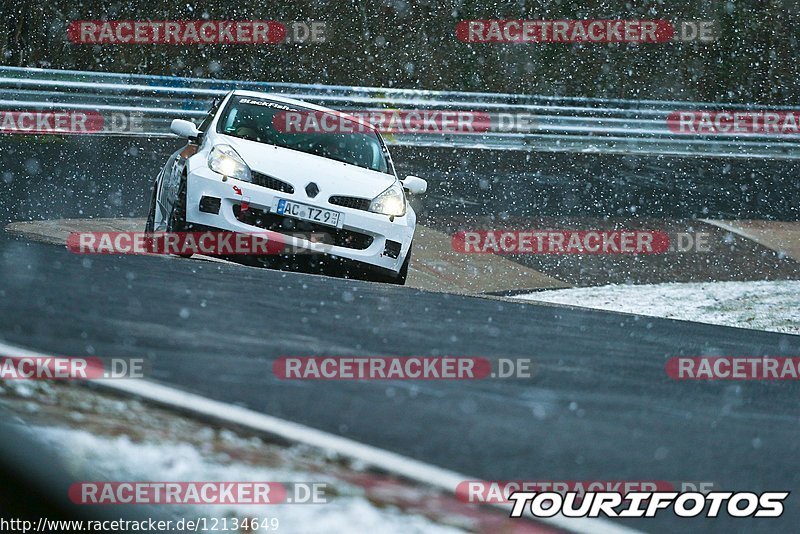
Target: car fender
171 175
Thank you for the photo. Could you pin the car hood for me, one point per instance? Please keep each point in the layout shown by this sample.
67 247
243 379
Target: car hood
299 169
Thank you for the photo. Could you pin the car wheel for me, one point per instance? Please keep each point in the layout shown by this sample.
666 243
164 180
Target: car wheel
401 276
177 216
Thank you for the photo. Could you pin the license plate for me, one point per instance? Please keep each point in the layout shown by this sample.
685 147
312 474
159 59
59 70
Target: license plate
307 213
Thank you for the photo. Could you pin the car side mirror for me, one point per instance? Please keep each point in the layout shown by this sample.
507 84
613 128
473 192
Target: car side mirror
414 185
183 128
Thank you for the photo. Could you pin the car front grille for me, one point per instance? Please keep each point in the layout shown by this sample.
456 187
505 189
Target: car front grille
289 225
271 183
351 202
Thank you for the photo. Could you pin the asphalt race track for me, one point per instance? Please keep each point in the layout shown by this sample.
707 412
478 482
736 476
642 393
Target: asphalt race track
599 407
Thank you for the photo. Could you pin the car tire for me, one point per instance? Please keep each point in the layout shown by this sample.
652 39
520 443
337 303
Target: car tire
403 274
177 216
398 279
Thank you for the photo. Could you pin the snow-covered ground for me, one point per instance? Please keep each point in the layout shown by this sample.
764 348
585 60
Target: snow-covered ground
103 437
121 459
765 305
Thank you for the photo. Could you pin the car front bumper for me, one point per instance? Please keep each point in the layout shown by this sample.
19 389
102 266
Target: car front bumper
232 194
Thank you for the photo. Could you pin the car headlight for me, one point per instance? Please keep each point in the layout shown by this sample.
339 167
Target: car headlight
391 202
224 160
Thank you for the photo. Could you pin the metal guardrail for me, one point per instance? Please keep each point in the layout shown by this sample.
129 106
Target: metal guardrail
559 124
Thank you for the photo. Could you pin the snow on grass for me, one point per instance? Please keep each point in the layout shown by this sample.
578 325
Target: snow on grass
121 459
101 436
763 305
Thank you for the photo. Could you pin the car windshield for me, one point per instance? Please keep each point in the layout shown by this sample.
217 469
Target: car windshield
265 121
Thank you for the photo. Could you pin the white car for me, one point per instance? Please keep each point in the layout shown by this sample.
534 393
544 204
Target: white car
241 173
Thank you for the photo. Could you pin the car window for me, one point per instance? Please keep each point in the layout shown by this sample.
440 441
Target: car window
260 120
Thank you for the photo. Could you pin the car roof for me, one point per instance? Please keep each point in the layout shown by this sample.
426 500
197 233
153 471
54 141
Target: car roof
302 103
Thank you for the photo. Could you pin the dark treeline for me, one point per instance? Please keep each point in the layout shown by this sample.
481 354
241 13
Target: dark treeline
412 44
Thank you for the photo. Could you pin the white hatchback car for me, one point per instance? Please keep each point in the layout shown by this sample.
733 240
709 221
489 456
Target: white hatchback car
241 173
